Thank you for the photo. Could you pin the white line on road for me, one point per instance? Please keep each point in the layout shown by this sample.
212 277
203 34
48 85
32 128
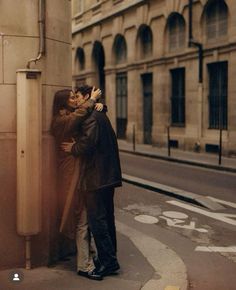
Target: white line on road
203 200
216 249
217 216
231 204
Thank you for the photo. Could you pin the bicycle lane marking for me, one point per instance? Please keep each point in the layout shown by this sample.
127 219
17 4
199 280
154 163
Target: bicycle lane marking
231 249
221 201
223 217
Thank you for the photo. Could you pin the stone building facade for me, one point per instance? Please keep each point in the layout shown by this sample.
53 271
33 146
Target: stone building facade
154 76
19 42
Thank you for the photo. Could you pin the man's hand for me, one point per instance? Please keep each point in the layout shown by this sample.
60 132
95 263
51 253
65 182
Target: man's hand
99 107
95 94
67 146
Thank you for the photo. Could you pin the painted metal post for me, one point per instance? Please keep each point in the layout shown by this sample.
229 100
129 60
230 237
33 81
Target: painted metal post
168 139
220 146
134 141
221 128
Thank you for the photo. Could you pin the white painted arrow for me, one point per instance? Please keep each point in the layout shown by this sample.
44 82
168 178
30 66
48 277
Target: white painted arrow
217 216
216 249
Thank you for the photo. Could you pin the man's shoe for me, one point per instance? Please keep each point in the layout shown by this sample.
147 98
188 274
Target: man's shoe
94 275
109 270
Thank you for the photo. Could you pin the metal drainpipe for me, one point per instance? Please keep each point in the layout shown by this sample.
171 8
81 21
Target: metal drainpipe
41 22
192 42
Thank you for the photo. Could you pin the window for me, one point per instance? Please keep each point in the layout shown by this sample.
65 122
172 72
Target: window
81 58
147 107
178 97
176 28
78 6
218 91
120 49
80 82
117 1
216 19
121 105
145 35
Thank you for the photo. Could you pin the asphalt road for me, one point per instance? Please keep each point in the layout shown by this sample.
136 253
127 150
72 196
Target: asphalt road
204 239
184 232
194 179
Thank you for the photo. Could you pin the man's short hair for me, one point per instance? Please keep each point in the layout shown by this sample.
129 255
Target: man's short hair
84 90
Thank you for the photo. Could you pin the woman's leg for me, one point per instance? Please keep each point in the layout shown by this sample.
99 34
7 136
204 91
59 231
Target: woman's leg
83 243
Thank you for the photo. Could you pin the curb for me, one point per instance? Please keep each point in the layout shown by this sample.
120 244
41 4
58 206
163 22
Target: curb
174 192
164 260
176 160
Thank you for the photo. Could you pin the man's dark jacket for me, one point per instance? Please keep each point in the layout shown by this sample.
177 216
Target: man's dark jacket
97 149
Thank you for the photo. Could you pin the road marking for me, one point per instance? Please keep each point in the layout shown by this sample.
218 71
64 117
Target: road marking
177 219
200 199
216 249
165 262
223 217
146 219
172 288
175 214
231 204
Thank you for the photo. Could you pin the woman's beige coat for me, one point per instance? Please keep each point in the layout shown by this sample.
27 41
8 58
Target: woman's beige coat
63 129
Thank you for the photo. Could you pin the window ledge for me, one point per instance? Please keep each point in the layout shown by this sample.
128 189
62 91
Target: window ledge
78 18
216 41
96 8
117 1
178 125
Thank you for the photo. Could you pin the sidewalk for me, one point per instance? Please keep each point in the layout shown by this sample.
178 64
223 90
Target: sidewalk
146 264
197 159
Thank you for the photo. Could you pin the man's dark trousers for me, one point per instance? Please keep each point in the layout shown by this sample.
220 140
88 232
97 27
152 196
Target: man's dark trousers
100 210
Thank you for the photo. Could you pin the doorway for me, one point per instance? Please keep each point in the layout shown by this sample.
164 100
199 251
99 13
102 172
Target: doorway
147 108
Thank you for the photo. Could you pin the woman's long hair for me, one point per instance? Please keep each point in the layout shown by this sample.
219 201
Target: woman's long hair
60 101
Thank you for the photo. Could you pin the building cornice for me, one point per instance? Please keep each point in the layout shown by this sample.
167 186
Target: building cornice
113 13
191 54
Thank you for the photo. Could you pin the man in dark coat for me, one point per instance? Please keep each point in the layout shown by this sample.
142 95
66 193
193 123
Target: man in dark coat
100 173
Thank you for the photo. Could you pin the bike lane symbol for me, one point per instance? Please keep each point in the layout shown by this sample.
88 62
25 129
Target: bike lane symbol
178 219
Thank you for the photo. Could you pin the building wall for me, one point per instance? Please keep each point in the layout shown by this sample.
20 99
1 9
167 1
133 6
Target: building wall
19 42
102 21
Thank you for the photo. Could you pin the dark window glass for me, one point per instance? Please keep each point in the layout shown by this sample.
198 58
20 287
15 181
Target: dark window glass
120 49
147 108
176 32
218 94
216 19
121 105
146 41
178 97
81 58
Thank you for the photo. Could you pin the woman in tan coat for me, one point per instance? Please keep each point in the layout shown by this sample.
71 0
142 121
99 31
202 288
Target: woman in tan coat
67 115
